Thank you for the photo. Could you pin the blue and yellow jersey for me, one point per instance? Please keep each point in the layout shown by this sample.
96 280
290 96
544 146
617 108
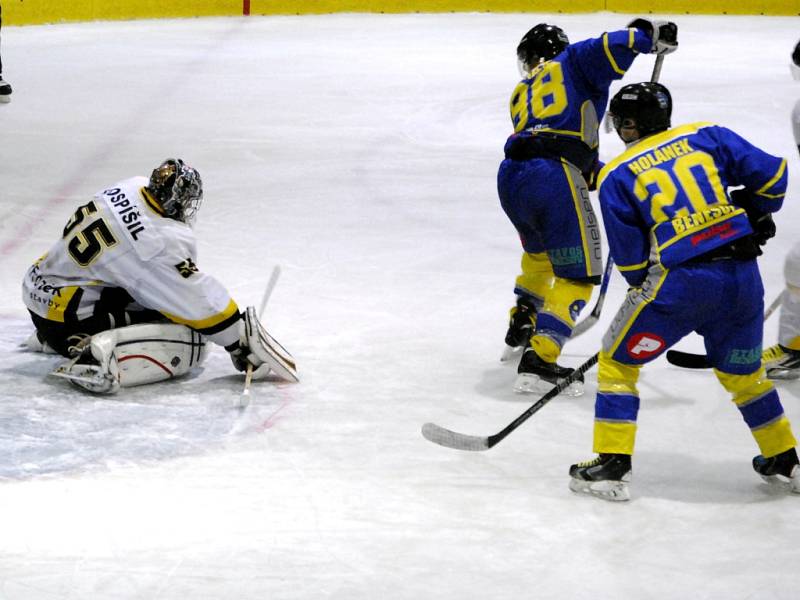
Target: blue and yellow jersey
567 96
665 198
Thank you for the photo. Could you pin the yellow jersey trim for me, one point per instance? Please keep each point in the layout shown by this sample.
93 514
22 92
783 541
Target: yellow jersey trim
151 202
208 322
610 56
641 265
60 303
576 201
771 182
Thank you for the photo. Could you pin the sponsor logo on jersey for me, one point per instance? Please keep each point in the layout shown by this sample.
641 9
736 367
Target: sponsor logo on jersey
186 268
645 345
127 211
744 356
723 232
561 257
39 283
706 217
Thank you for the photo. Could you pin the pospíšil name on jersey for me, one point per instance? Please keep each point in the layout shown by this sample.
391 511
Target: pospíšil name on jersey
120 240
665 198
559 107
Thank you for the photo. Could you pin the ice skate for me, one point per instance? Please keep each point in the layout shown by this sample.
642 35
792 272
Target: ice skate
781 362
85 372
5 90
536 376
606 477
781 471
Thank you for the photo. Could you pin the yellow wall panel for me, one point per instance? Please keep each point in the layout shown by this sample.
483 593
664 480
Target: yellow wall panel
24 12
712 7
267 7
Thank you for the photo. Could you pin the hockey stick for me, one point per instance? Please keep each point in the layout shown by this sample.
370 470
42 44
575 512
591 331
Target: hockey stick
657 68
273 280
594 316
460 441
687 360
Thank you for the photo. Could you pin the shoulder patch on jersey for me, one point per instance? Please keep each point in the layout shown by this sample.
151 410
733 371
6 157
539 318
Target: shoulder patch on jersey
186 268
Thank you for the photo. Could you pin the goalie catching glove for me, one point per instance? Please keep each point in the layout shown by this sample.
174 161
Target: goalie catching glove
663 33
258 348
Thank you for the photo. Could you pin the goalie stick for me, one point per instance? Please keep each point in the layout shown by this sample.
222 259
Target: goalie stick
687 360
460 441
594 316
273 280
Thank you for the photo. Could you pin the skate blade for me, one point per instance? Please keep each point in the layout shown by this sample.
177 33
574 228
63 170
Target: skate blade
783 374
86 377
613 491
527 383
783 484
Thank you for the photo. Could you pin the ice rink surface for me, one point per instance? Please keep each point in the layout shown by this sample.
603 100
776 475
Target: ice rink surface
359 153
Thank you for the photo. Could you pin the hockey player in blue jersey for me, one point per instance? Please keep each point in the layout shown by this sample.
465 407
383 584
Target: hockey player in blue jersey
550 164
687 245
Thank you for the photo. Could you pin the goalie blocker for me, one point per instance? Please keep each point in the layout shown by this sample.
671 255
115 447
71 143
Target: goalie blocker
148 353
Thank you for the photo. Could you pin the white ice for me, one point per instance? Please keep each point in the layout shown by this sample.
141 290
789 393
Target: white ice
359 153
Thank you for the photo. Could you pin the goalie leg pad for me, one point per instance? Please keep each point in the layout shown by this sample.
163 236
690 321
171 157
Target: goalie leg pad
135 355
264 349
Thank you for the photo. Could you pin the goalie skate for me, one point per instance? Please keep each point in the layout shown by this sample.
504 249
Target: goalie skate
89 377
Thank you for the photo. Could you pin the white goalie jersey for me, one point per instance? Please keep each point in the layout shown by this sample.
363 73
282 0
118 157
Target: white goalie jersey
120 239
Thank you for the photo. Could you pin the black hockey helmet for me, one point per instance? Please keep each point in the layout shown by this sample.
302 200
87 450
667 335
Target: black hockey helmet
795 66
646 106
543 42
177 188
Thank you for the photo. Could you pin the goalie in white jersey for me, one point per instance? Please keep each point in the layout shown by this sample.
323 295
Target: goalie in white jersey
782 361
121 296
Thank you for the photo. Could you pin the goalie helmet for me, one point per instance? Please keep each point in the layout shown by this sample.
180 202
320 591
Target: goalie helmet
178 189
543 42
646 107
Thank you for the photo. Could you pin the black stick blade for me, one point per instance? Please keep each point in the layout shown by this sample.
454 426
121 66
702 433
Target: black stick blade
451 439
687 360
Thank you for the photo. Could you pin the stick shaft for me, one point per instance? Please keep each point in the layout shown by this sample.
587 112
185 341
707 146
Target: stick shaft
273 280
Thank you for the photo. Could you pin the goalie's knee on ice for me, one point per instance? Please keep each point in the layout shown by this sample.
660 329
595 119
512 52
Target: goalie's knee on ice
136 355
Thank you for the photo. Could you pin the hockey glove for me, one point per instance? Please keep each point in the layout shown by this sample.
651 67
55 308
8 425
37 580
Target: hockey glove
663 33
239 356
763 226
